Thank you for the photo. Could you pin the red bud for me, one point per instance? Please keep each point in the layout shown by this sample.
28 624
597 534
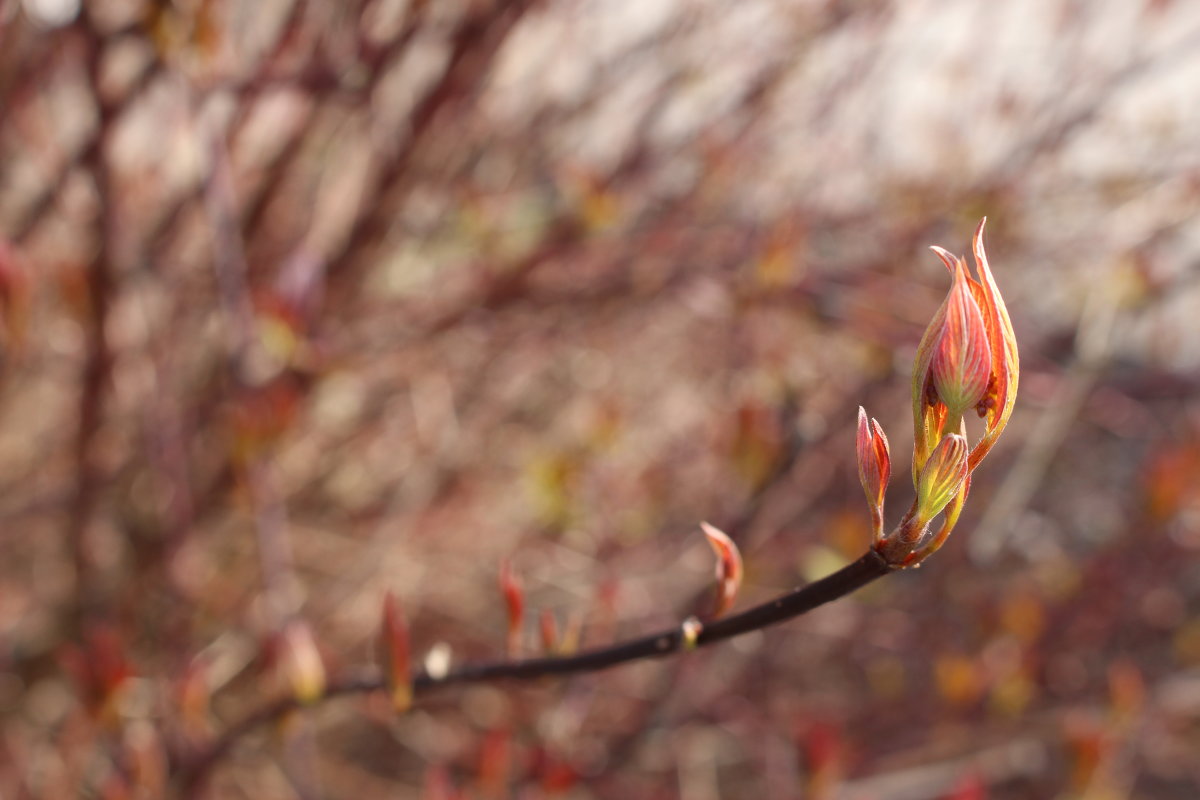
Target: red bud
548 628
302 664
729 567
514 601
962 361
874 466
396 654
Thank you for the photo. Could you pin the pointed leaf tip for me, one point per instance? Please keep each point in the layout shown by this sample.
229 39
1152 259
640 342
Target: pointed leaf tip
948 258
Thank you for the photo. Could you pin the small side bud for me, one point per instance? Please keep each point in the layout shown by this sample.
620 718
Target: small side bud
729 568
548 629
874 467
514 603
568 642
942 476
438 660
302 664
192 696
396 654
101 671
690 630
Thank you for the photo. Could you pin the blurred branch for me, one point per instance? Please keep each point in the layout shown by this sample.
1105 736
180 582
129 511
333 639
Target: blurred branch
472 49
230 267
850 578
98 359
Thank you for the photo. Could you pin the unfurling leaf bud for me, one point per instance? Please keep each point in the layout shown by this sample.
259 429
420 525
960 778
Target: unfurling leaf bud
962 361
941 477
729 568
874 467
192 695
514 603
395 654
967 360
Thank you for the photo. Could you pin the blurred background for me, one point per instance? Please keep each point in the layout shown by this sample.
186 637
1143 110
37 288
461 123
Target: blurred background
305 302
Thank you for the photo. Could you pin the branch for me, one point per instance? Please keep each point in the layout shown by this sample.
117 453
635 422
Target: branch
97 365
799 601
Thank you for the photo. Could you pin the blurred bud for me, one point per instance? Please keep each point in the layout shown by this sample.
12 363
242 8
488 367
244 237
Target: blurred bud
495 764
548 628
729 567
192 699
823 747
874 467
942 476
1089 745
395 654
757 441
100 669
301 662
608 593
259 416
690 630
554 776
514 602
568 643
1126 690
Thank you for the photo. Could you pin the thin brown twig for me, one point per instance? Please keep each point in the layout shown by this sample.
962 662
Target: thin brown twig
850 578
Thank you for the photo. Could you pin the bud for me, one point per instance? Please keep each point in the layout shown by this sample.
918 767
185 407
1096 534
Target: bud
396 654
962 359
514 603
302 664
101 671
874 467
568 642
548 628
729 568
997 403
192 698
690 632
967 359
942 477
